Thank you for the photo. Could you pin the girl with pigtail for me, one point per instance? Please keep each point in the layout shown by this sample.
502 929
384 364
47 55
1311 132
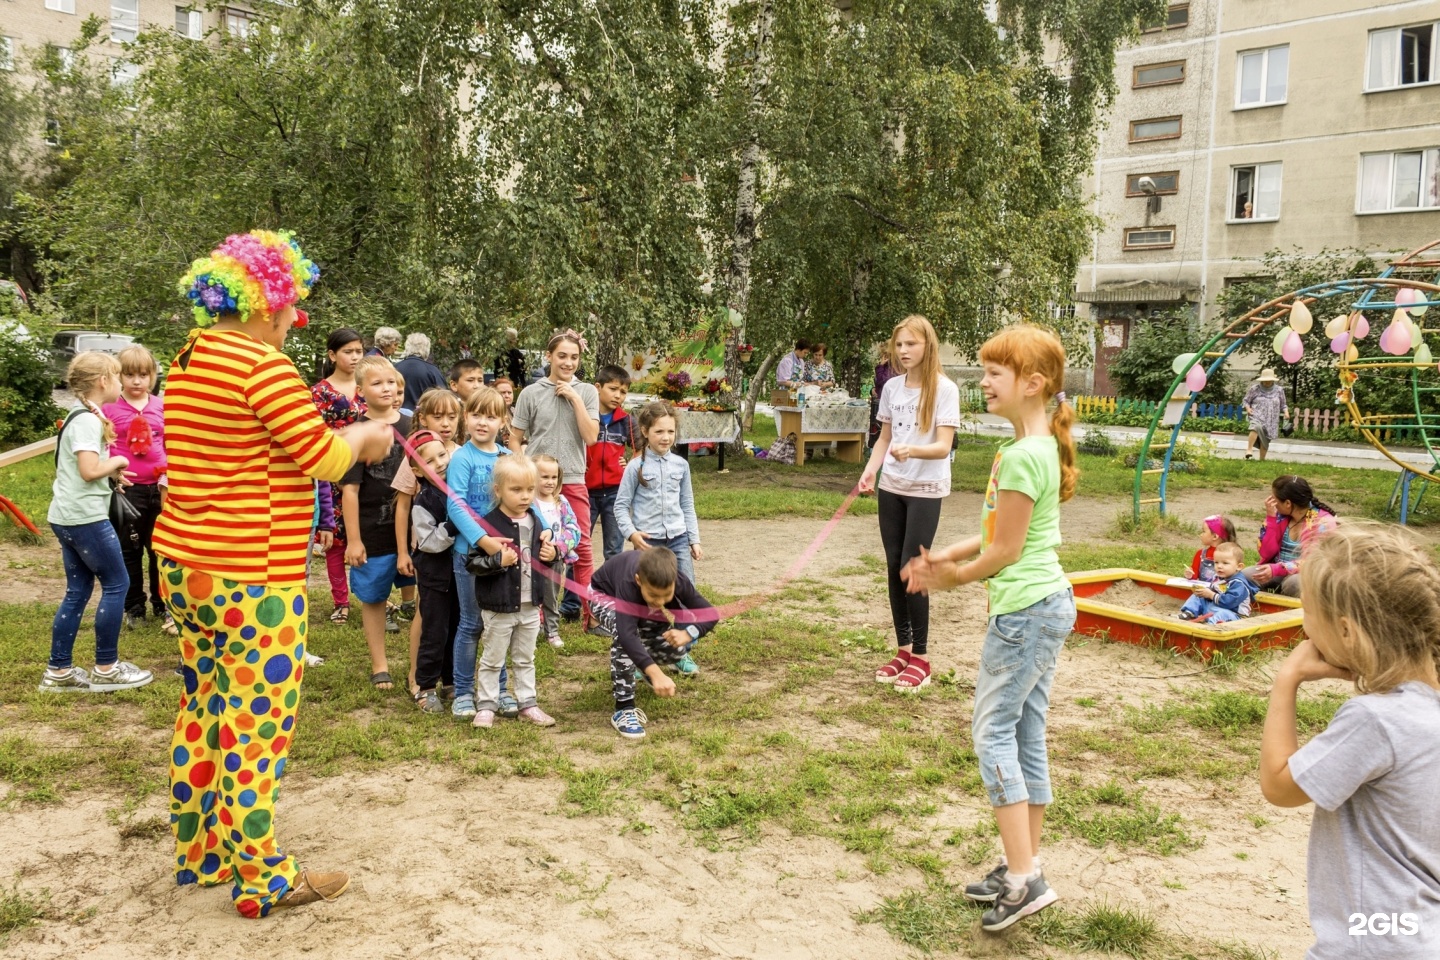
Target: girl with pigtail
80 516
1032 608
918 412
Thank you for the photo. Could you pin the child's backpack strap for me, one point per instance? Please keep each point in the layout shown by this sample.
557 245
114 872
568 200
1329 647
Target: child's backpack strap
68 417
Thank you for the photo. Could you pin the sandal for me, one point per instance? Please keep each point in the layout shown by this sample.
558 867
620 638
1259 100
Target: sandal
916 675
893 669
341 613
382 681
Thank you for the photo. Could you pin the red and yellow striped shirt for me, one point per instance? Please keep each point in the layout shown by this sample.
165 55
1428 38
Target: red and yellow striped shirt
244 440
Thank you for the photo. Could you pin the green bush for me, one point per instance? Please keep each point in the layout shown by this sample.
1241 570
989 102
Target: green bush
27 412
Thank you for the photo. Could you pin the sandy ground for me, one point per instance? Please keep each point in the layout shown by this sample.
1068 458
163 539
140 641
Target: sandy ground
463 867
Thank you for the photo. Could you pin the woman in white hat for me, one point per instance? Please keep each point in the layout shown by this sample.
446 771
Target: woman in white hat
1265 406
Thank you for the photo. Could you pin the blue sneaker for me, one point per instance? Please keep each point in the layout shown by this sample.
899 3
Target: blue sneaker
464 706
509 706
630 724
686 666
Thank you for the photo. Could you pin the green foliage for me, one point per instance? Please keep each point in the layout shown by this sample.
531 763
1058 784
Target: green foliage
1143 370
27 411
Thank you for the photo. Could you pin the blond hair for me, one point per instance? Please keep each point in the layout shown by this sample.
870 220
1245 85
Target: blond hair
85 375
485 402
1384 582
929 372
1026 349
1230 549
545 458
136 359
372 362
517 466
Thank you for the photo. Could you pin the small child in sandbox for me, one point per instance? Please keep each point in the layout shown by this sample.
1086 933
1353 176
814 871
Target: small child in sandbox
1214 530
1228 596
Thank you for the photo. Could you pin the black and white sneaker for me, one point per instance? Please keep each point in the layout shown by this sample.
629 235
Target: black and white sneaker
1013 905
989 889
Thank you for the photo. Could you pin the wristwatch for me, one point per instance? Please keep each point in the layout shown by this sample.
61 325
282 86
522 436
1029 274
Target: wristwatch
693 631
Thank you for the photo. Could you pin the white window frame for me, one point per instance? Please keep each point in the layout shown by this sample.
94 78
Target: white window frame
123 73
246 17
1393 82
1429 168
1255 175
1130 247
1265 54
7 53
124 21
194 22
60 6
67 59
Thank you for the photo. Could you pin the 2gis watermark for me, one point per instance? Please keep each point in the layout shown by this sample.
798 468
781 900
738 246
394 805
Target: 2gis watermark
1384 924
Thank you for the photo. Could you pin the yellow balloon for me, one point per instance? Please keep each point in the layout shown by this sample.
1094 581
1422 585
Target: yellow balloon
1300 318
1352 354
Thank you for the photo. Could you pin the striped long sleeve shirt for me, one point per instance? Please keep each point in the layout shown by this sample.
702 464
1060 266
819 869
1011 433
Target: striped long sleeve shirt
244 440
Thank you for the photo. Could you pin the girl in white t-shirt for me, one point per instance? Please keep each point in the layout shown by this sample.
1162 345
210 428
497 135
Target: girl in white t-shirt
919 411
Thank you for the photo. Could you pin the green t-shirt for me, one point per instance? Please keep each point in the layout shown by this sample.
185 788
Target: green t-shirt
73 501
1030 465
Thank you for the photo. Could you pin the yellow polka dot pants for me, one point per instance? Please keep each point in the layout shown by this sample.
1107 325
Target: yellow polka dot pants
243 651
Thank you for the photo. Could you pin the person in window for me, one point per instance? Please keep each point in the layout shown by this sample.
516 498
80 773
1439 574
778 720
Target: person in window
790 371
1248 211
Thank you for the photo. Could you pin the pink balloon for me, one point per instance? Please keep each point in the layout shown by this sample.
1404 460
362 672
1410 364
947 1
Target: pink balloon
1362 327
1196 378
1339 344
1406 296
1385 341
1294 348
1396 339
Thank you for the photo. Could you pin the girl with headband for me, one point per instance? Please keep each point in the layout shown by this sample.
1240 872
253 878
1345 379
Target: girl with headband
559 415
245 444
1214 530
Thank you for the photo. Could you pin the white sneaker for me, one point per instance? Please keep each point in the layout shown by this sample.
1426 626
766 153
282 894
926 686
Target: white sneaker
125 676
556 642
76 681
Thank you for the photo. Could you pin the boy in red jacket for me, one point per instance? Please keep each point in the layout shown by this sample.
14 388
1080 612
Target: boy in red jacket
605 458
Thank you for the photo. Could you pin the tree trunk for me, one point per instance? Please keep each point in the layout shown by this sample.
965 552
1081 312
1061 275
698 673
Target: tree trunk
752 396
742 239
852 368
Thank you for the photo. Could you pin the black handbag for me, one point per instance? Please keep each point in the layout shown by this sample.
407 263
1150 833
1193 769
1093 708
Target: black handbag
123 513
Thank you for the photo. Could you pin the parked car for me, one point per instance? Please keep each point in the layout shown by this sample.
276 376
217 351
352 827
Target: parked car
67 343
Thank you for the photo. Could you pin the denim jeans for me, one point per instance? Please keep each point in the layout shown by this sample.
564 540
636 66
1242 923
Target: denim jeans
91 552
467 634
602 511
1012 697
680 546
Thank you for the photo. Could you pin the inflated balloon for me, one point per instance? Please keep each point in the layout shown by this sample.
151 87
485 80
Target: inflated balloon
1281 336
1406 296
1301 319
1181 362
1399 316
1359 325
1195 379
1352 353
1422 355
1396 339
1294 348
1340 342
1336 326
1418 308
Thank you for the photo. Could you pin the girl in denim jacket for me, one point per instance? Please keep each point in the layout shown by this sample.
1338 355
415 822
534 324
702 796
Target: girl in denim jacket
655 505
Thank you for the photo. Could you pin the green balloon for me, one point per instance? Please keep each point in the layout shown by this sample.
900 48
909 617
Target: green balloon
1181 362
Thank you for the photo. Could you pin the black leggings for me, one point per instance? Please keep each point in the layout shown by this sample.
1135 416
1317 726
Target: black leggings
906 525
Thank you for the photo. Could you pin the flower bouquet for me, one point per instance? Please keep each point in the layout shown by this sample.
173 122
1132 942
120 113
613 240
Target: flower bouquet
674 386
746 351
718 395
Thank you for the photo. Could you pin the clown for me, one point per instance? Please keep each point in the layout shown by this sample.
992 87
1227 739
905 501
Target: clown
245 445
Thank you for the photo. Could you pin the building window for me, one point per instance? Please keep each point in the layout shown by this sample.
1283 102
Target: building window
1260 77
66 59
1401 57
52 131
63 6
1159 74
240 24
1255 192
1176 18
1157 128
124 20
123 73
189 23
1166 183
1405 180
7 53
1149 238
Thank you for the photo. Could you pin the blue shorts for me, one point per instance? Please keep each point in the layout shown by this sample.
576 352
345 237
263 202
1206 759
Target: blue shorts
371 581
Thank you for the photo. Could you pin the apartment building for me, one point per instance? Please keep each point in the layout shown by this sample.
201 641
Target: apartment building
27 26
1243 127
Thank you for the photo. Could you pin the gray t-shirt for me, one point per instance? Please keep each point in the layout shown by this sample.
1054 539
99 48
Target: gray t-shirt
74 501
1374 775
550 426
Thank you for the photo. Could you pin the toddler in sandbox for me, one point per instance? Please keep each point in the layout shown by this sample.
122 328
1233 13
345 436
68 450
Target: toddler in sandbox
1228 596
1214 530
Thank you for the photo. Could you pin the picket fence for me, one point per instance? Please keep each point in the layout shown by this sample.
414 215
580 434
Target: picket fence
1306 420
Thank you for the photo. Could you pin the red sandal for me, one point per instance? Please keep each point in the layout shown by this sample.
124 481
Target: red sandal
916 675
893 669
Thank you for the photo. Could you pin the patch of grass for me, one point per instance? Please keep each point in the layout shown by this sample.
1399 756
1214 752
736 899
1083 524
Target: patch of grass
1151 524
1100 928
936 918
18 909
1111 814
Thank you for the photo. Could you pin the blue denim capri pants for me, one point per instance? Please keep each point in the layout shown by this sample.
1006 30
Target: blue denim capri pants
1012 698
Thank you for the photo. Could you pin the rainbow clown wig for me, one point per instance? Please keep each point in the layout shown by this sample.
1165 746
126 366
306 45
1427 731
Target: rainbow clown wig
262 272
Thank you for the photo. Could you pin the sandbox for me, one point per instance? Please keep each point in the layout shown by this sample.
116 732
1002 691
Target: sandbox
1135 606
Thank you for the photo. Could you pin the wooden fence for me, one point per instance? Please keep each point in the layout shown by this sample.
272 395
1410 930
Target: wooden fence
1308 420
